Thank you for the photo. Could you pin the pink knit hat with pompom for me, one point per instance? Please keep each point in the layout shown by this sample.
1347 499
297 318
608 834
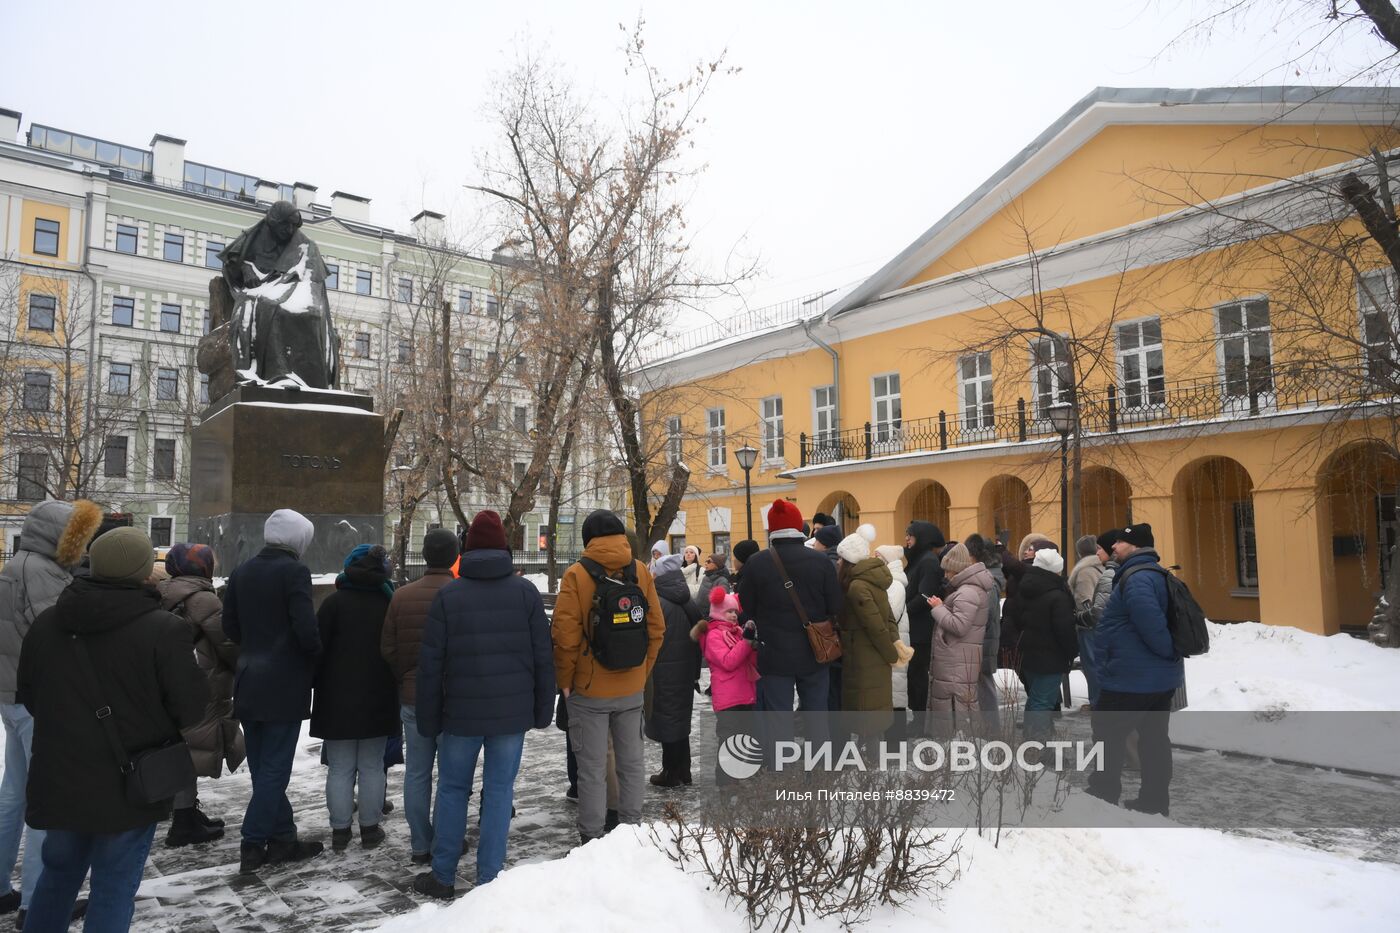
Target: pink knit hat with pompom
721 602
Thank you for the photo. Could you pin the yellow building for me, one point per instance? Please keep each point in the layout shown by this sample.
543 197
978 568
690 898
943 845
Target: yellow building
1157 264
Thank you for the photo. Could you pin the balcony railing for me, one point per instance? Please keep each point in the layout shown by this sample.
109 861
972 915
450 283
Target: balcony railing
1260 391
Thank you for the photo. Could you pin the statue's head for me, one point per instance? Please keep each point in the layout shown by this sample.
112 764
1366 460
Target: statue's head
283 219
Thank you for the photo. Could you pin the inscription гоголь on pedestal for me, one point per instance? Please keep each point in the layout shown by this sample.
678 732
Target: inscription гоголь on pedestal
301 461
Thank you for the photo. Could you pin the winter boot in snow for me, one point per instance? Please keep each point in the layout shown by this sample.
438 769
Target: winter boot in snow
427 884
340 838
371 836
9 903
421 858
293 850
610 822
207 820
251 857
186 830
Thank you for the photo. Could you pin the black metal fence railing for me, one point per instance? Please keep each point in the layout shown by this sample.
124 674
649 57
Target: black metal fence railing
1244 393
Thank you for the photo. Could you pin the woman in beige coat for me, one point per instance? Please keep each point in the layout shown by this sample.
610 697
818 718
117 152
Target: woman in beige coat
959 626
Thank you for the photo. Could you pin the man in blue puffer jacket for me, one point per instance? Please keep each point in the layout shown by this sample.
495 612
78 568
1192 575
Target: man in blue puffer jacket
485 678
1138 670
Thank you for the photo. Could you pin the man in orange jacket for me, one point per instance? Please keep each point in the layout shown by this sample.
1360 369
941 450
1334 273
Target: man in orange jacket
603 700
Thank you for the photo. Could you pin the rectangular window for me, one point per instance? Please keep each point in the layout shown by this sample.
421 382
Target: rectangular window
123 310
41 312
673 440
174 250
126 239
493 420
211 255
161 531
119 379
406 291
771 413
362 345
206 322
1050 377
1376 301
1140 364
46 237
518 473
975 392
719 452
493 306
888 412
1246 555
464 301
332 276
163 466
170 318
364 282
520 364
464 360
824 420
36 391
204 388
33 477
720 540
493 361
405 349
114 456
1246 349
167 384
521 418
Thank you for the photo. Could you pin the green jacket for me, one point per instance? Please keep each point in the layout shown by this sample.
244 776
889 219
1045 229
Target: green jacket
868 634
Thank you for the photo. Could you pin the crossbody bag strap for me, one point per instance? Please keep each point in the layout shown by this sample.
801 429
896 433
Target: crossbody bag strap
103 711
787 585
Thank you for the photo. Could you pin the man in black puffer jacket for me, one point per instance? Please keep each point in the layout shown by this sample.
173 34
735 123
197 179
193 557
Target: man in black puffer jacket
142 658
485 678
922 543
1047 641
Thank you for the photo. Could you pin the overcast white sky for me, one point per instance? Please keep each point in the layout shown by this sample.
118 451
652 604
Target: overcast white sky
851 129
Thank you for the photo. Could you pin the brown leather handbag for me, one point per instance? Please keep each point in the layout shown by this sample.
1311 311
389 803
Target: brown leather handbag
826 644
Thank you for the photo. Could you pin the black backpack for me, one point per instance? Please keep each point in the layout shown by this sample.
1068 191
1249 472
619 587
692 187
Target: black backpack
617 626
1186 620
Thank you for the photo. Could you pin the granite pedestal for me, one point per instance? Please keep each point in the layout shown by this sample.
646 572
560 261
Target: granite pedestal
259 449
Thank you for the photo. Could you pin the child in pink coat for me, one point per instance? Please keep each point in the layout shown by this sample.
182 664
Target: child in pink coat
733 662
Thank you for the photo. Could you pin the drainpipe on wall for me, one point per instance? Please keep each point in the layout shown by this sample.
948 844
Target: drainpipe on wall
92 328
835 372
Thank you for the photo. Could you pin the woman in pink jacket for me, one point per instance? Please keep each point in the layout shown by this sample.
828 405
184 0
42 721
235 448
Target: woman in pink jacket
729 651
959 624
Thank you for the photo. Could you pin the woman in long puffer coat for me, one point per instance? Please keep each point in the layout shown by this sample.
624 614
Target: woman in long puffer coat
670 692
959 629
217 741
868 633
893 556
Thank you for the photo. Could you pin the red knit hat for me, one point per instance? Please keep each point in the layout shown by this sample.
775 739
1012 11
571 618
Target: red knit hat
782 515
486 531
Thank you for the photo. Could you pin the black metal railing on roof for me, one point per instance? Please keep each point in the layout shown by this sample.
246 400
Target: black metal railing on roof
1253 393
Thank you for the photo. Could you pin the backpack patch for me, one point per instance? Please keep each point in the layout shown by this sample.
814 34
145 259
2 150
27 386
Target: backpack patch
616 631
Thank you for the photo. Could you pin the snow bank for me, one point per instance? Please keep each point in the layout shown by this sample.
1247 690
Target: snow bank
541 581
1077 879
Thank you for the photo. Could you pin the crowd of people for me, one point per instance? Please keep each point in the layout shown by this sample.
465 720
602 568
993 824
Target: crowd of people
122 682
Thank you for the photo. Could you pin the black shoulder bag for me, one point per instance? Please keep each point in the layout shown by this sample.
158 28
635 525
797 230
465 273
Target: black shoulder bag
152 776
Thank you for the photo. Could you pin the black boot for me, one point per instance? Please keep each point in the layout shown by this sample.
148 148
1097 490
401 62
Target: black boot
371 836
610 822
251 857
185 830
340 838
207 820
9 903
429 885
293 850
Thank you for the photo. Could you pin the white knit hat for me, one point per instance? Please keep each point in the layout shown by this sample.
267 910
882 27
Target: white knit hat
855 548
891 553
1049 559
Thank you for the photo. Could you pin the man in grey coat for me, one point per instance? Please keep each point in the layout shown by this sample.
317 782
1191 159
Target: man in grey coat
51 543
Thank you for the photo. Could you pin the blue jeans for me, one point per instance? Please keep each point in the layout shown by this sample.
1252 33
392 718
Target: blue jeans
419 755
19 734
775 694
347 760
457 755
271 748
1086 664
1042 693
117 861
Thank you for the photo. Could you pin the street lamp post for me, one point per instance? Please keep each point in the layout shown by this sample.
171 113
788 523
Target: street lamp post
1061 415
746 456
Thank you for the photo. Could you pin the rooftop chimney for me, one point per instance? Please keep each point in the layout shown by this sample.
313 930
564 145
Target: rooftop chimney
168 157
267 192
428 227
348 206
9 125
302 195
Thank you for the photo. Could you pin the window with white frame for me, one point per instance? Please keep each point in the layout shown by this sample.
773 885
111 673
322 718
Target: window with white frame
887 408
1140 364
771 415
1050 377
824 417
167 384
1246 362
1376 302
719 453
673 440
975 391
1246 554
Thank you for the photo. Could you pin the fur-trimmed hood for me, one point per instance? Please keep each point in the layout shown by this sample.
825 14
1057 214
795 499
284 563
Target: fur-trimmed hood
61 531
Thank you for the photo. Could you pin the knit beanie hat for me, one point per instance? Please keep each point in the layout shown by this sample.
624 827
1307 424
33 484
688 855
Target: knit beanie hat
855 548
957 560
1034 539
290 529
486 532
601 524
721 559
1050 559
890 553
829 536
784 515
1139 535
821 518
122 555
190 560
668 563
1109 538
440 548
745 550
1086 546
721 602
